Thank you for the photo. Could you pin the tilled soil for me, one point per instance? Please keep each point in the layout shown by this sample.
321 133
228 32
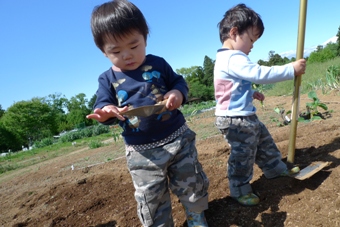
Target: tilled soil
101 194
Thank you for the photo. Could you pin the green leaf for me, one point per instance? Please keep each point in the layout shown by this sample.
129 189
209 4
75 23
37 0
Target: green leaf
316 118
277 110
309 104
312 95
323 106
301 119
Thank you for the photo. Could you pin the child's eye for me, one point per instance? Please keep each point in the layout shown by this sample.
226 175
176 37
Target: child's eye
134 47
115 52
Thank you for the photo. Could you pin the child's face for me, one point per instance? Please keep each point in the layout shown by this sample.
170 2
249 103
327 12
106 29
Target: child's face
126 53
244 42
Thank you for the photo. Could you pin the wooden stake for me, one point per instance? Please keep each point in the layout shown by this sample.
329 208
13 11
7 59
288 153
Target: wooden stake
297 81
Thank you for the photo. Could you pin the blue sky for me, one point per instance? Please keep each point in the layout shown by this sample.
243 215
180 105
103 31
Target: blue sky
46 47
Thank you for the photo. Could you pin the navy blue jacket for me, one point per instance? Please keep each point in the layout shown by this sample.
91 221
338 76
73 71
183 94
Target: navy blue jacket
144 86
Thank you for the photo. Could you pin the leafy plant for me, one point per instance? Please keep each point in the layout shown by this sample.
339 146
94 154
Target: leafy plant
44 142
190 117
95 144
333 77
285 119
116 132
277 121
313 108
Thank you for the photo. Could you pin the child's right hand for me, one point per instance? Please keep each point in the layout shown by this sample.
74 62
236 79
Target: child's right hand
107 112
299 67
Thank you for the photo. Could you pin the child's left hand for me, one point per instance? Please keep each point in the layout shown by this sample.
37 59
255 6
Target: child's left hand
175 99
258 95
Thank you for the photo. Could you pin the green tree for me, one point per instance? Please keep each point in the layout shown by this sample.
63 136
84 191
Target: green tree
208 71
338 42
271 54
7 140
262 62
286 60
194 77
199 90
77 108
92 101
192 74
30 121
275 59
58 104
319 48
1 111
324 54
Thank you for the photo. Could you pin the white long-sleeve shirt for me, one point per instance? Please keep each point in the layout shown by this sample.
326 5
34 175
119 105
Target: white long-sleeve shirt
233 75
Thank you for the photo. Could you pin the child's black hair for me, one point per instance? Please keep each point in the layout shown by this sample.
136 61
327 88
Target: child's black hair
116 19
241 17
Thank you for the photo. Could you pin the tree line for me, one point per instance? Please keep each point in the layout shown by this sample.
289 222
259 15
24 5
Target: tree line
26 122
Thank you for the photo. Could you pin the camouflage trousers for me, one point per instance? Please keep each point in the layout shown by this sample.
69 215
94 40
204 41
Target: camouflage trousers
250 142
175 166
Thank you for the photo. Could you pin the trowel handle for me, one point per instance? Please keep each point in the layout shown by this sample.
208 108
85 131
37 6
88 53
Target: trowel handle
163 102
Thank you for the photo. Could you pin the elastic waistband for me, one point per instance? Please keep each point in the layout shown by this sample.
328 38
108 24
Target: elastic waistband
166 140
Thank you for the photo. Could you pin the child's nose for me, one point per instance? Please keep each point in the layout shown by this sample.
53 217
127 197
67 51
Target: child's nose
126 55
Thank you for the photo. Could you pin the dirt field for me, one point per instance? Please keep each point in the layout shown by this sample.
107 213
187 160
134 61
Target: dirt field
99 193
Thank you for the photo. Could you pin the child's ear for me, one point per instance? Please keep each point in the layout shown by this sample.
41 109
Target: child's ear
104 54
233 32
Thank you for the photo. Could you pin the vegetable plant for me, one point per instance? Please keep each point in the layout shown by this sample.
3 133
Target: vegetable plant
313 107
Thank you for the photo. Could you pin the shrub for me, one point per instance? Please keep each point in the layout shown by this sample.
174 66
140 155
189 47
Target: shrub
44 142
100 129
333 77
70 137
95 144
86 132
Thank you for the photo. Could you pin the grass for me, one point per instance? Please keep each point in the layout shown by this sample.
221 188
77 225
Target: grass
315 75
206 128
23 159
194 108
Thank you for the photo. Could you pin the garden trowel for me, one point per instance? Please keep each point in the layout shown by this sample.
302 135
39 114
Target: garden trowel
146 111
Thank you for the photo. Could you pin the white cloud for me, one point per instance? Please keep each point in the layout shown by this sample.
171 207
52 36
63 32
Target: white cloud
307 51
331 40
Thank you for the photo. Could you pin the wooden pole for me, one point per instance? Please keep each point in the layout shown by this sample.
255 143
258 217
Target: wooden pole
297 81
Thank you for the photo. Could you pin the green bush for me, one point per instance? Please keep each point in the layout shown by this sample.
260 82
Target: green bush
86 132
44 142
333 77
100 129
95 144
70 137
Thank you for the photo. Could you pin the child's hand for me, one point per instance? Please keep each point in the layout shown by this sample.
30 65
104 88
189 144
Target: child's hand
107 112
258 95
299 67
175 99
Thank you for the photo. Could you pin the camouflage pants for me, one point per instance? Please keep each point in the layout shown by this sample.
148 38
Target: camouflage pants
175 166
250 143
